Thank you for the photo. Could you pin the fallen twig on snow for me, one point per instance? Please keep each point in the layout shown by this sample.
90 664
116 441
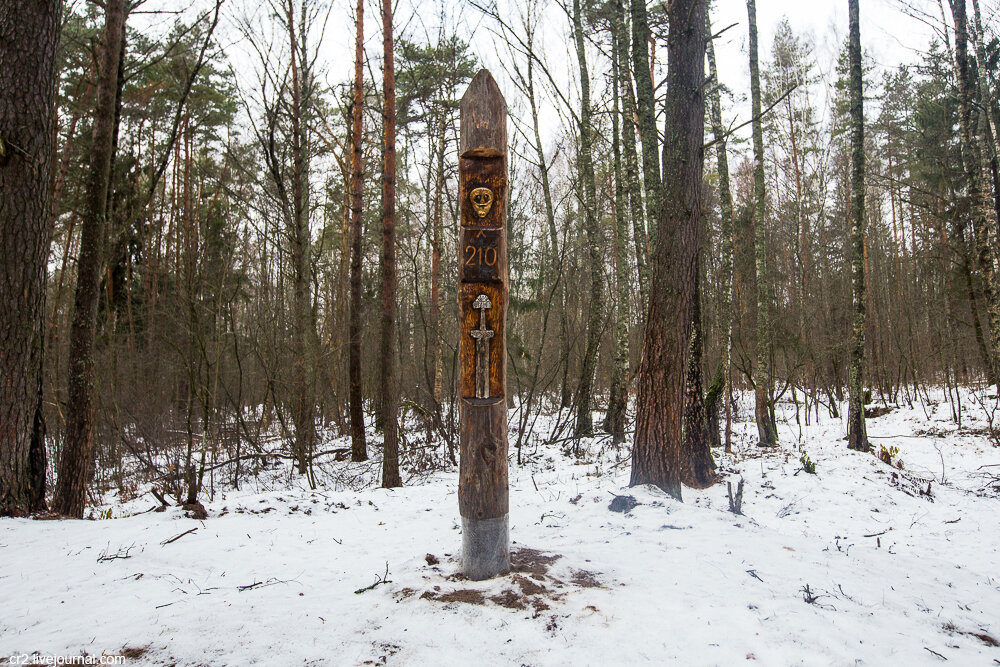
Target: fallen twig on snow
120 554
812 598
161 606
936 653
877 534
384 579
177 537
260 584
846 596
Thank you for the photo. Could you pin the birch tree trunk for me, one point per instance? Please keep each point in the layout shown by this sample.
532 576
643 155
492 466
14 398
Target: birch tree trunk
618 400
857 437
647 117
584 418
633 185
528 84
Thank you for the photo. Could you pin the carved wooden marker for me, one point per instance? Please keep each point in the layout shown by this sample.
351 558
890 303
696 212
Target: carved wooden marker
482 349
482 336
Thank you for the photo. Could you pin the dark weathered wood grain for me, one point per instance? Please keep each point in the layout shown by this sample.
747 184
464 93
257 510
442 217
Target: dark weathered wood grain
484 118
29 42
482 255
483 172
469 320
482 270
483 466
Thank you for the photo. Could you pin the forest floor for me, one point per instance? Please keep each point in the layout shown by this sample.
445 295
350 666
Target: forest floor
862 562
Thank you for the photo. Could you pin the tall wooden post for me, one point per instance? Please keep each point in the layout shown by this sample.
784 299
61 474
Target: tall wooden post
482 312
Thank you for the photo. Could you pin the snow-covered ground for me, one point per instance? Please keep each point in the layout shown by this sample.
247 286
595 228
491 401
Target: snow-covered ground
855 564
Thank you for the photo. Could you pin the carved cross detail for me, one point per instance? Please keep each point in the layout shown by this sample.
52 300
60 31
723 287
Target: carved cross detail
482 335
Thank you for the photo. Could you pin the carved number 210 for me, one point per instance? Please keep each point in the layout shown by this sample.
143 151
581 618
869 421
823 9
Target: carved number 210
479 256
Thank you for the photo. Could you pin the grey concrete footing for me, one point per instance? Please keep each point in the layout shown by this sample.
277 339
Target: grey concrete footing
485 547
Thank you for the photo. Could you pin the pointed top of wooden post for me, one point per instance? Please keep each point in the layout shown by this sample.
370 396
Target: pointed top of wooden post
484 118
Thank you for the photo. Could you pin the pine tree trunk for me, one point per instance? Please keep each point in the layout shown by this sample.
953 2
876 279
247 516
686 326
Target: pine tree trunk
857 437
390 380
766 430
37 454
74 468
302 330
359 449
697 466
29 38
437 388
977 326
584 404
989 123
973 177
657 454
723 385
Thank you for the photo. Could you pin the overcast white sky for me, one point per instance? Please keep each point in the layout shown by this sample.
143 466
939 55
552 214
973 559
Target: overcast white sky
888 35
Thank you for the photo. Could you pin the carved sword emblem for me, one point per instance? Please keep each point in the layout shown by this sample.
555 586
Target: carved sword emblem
482 335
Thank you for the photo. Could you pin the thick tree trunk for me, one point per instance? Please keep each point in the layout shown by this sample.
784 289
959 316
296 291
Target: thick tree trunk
359 450
657 453
390 380
29 38
74 468
697 466
37 455
857 437
584 403
766 430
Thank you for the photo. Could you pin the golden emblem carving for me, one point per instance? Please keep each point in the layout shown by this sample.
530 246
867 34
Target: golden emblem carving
482 201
